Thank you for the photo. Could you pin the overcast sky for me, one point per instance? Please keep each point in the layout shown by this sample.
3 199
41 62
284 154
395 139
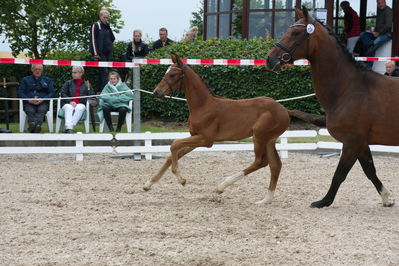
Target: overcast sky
175 15
149 16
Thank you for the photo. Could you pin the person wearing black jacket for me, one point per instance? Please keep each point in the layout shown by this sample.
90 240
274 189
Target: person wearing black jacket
137 48
163 39
101 44
73 109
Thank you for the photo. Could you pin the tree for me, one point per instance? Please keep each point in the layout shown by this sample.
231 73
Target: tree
42 26
197 19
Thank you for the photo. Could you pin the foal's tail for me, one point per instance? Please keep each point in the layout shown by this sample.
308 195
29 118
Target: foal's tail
318 120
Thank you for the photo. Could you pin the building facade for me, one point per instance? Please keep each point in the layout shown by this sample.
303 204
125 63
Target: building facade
247 19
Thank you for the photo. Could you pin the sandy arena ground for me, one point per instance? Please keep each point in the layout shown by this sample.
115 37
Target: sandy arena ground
56 211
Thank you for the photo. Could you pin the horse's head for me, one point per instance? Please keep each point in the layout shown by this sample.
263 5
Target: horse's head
296 43
173 78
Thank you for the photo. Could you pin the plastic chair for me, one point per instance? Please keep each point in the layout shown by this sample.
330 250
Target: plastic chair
22 117
60 122
128 119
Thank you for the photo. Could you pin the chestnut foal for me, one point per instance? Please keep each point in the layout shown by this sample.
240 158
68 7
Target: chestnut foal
216 119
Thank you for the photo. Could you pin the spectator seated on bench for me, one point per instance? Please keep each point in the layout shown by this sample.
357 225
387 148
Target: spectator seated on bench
22 116
35 88
73 107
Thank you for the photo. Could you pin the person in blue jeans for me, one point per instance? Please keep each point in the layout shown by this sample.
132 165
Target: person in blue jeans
375 38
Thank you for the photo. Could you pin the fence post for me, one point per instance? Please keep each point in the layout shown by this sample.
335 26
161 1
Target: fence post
283 153
136 108
79 144
148 143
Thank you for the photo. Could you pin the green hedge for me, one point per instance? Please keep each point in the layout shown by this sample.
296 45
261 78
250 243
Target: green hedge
235 82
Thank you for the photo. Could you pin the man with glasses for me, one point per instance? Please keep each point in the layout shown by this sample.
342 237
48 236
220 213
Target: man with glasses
36 87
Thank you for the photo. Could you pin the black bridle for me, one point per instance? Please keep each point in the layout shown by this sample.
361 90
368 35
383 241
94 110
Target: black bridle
181 77
286 57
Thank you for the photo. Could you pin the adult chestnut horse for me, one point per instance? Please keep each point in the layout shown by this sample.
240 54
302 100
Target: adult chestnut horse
216 119
361 106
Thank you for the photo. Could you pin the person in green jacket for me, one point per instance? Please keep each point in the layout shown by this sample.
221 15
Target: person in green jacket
114 102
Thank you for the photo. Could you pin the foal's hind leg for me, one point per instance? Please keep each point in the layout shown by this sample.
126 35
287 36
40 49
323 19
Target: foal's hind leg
366 161
260 161
155 178
275 168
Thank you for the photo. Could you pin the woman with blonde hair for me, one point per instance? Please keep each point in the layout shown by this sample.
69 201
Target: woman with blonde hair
137 48
118 102
191 34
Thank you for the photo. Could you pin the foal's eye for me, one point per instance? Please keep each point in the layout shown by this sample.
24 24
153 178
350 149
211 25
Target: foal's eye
172 75
295 33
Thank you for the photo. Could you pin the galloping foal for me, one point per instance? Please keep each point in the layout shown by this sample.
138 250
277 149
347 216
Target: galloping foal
216 119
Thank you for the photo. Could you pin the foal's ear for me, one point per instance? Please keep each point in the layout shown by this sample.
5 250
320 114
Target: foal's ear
176 59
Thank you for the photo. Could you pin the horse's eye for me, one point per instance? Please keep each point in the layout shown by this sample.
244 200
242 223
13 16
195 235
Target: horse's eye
295 33
172 75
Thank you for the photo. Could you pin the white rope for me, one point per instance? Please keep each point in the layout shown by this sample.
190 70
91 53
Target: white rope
131 91
295 98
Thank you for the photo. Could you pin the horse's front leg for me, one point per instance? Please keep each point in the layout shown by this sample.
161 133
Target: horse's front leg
155 178
183 144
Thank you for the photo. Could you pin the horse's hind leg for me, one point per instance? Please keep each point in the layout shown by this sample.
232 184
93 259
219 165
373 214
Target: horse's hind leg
366 161
275 168
155 178
260 161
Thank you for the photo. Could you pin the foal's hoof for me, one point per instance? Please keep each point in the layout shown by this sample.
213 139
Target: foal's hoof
147 186
319 204
183 182
218 191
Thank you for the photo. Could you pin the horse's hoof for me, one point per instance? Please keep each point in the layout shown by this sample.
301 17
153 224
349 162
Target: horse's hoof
218 191
319 204
389 204
264 201
183 182
146 188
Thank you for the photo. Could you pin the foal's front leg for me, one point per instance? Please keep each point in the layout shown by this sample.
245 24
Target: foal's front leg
179 148
182 144
155 178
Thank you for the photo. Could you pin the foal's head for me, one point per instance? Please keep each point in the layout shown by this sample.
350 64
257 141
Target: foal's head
296 43
173 78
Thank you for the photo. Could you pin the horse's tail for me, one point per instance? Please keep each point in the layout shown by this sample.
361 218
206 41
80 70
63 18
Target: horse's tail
318 120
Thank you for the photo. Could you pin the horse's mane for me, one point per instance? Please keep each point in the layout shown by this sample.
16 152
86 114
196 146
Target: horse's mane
206 84
348 56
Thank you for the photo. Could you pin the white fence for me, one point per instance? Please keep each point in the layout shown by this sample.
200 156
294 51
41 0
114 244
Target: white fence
78 148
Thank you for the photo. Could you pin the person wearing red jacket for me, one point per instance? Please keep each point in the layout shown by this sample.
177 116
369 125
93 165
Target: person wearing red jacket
351 26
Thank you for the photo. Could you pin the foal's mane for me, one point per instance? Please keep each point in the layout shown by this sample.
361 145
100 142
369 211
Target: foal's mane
348 56
206 84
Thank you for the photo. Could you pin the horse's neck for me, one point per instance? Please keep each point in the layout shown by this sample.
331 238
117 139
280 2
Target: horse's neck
330 70
196 91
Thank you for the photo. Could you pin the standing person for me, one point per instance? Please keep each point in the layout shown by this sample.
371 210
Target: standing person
391 69
163 39
381 33
36 86
101 44
115 102
74 108
137 48
191 34
351 26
